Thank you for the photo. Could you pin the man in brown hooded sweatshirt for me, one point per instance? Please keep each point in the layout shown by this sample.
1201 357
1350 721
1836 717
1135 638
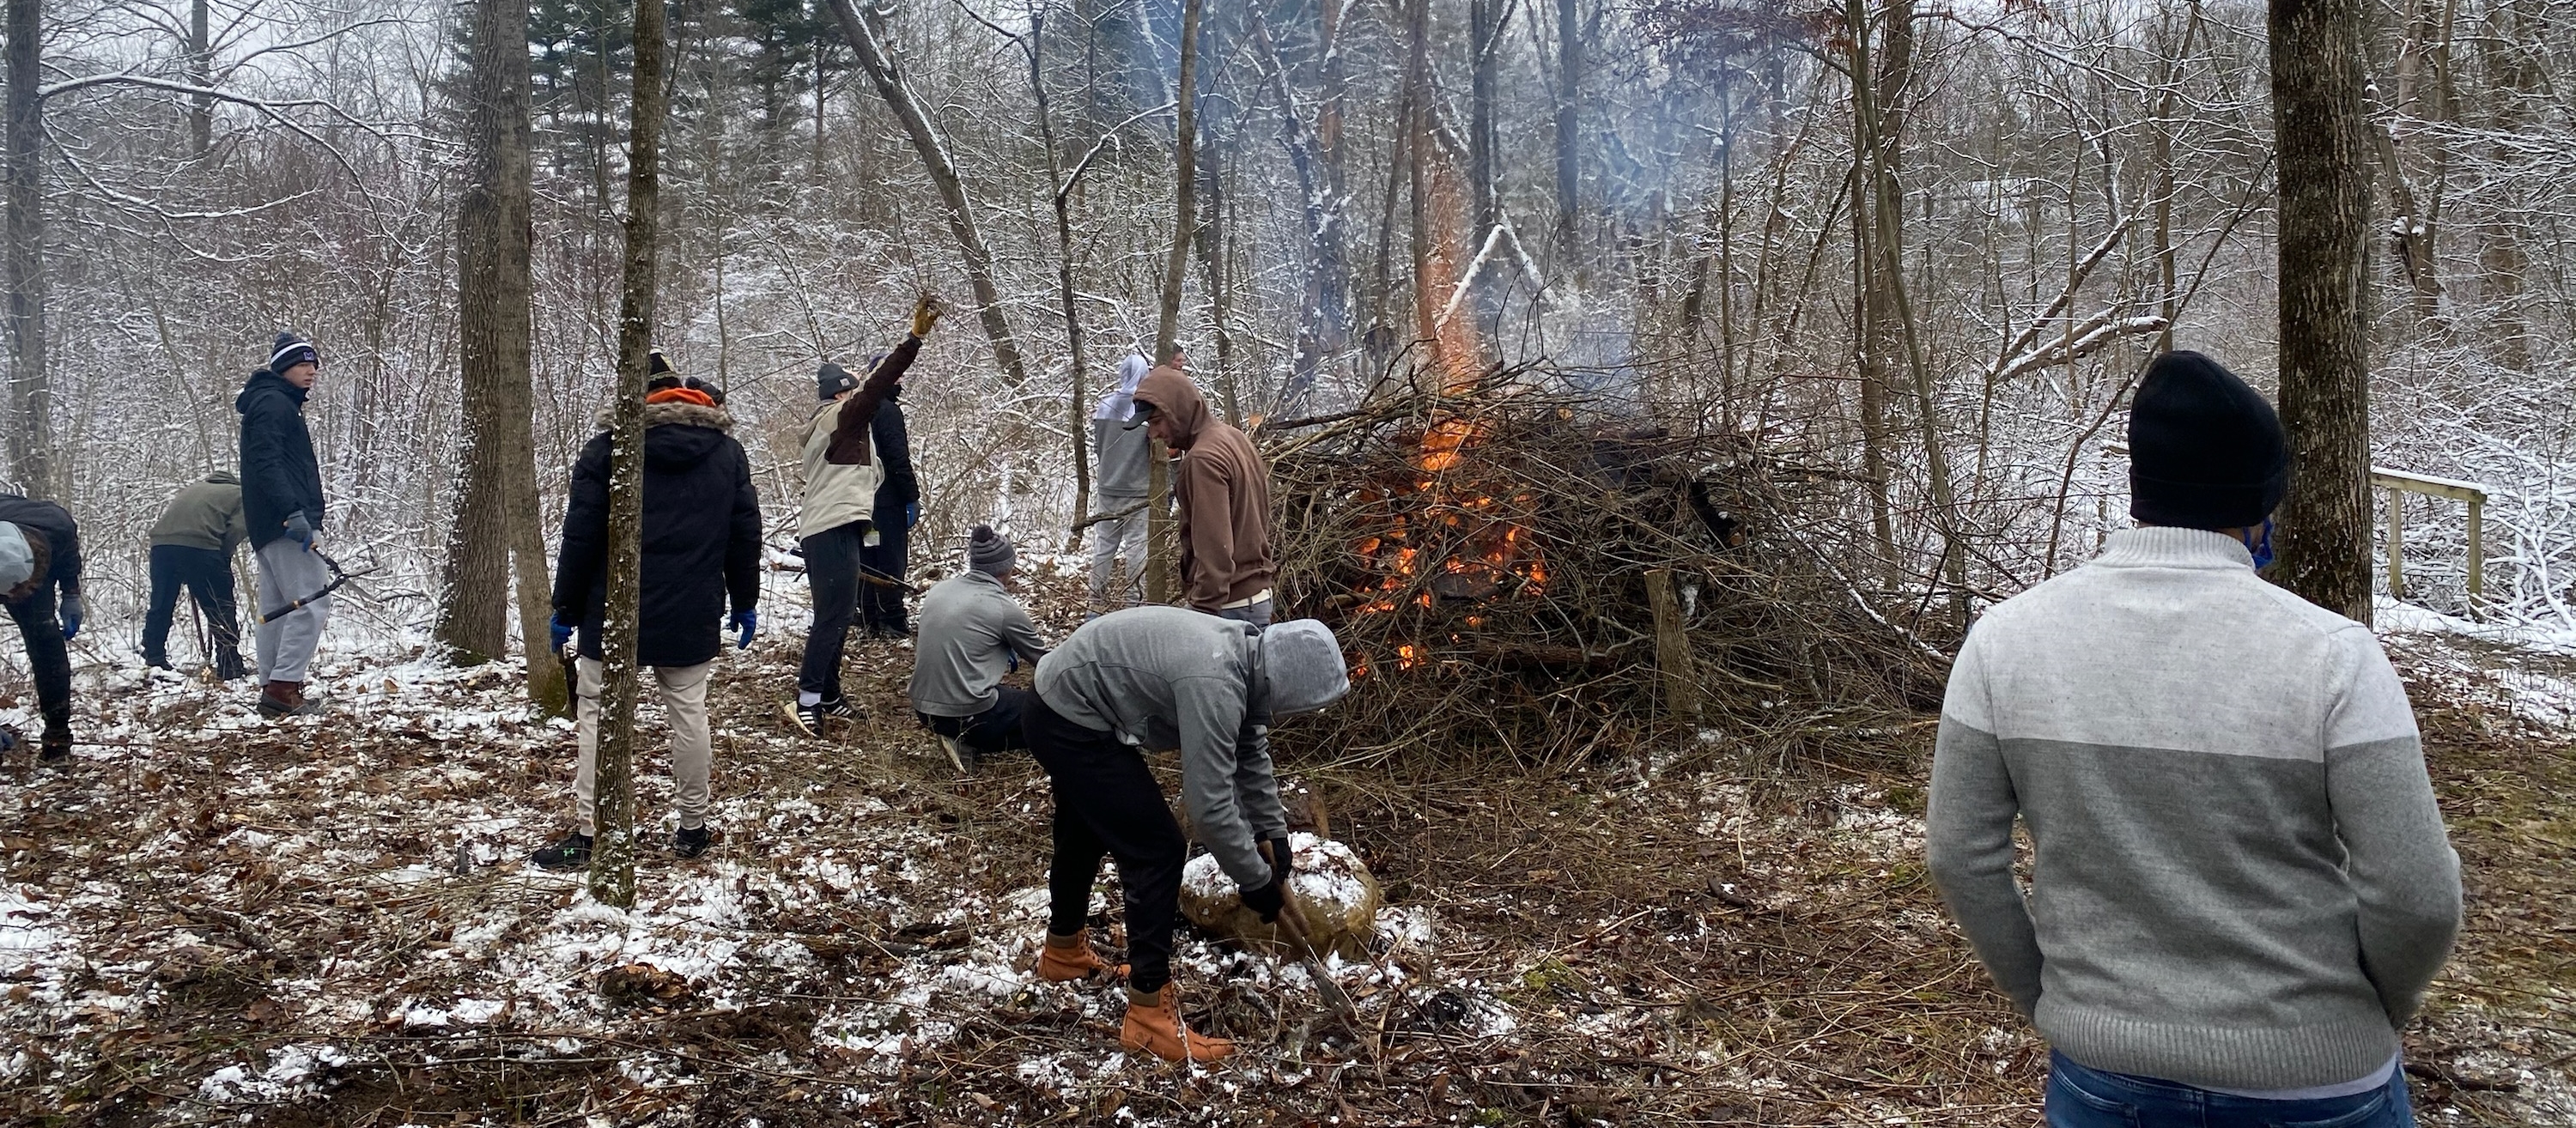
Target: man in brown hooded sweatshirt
1223 488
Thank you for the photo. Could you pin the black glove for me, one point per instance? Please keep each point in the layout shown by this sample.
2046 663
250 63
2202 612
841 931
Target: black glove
1280 860
1267 901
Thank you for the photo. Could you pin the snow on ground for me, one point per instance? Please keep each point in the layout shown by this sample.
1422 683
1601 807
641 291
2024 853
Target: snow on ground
214 915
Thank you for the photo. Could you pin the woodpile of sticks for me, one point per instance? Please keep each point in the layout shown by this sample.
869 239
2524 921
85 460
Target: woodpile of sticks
1516 573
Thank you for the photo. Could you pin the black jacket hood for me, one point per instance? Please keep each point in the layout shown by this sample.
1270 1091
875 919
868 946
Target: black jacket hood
677 435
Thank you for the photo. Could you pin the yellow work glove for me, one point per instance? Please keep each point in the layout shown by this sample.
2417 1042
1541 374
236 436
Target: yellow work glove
925 313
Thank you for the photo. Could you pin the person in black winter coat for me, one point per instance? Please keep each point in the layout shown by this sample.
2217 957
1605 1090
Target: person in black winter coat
882 565
701 544
282 508
40 574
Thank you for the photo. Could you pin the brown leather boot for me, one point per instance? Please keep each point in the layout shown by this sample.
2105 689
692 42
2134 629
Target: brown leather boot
286 699
1064 959
1154 1026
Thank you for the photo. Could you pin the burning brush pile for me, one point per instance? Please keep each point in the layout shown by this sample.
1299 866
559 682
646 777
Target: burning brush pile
1495 557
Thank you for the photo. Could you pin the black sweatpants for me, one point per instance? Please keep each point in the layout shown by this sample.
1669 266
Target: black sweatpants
881 583
1107 803
51 660
993 730
208 576
832 571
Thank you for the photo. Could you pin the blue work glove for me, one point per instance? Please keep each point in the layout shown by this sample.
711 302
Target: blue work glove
911 515
10 738
72 614
745 621
299 530
559 631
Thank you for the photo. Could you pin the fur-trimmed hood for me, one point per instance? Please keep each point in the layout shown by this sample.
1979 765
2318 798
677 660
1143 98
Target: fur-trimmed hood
677 435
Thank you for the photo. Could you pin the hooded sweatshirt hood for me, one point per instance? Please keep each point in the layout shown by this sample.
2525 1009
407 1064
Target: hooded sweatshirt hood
1120 406
1171 394
1301 667
265 383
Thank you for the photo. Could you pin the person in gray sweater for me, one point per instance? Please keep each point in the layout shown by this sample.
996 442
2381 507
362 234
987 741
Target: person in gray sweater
1168 677
2242 884
970 633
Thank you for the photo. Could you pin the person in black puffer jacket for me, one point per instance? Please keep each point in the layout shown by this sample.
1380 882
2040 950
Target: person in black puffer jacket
701 543
40 571
282 508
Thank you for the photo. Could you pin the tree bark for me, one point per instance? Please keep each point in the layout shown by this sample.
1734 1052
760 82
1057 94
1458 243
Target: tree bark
612 862
891 85
1485 19
1063 200
201 70
2500 255
30 386
2321 135
1167 323
1569 95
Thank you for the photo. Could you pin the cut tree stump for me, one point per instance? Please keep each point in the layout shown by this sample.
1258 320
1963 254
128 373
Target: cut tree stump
1672 648
1329 885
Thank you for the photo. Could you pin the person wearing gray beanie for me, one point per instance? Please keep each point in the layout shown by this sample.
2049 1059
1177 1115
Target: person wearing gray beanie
990 552
972 633
1169 677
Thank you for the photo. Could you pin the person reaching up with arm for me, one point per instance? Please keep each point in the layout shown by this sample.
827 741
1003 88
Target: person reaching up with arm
842 474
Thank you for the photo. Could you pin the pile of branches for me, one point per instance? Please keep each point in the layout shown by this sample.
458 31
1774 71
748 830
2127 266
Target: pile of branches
1485 556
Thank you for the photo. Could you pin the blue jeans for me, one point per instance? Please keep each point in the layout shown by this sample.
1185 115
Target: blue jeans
2082 1097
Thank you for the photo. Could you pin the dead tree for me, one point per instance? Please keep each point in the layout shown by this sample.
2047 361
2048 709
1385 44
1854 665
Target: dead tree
31 443
2321 133
612 861
891 85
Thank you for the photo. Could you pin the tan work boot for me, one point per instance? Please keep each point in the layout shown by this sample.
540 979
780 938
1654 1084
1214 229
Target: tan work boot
1064 959
1154 1026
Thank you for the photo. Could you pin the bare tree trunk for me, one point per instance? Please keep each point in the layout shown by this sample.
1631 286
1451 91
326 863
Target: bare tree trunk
1485 20
492 336
2321 134
1063 200
2423 65
1212 264
612 861
898 95
2500 255
1167 324
31 441
1569 96
201 70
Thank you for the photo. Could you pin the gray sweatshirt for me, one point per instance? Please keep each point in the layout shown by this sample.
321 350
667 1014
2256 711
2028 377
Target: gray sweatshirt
1124 459
964 634
2242 880
1168 677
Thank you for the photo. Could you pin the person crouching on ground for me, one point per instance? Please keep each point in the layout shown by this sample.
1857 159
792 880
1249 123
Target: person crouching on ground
1166 677
192 549
842 474
701 543
40 573
973 632
2242 886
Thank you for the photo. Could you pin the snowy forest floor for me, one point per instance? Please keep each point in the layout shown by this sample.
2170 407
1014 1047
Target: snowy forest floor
329 921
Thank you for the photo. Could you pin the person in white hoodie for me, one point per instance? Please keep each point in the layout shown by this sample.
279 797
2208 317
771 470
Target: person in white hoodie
1121 462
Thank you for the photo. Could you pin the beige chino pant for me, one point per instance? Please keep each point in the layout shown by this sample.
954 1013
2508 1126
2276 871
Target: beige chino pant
684 699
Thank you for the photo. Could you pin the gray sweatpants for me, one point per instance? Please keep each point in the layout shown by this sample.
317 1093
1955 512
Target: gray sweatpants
1114 542
684 702
288 572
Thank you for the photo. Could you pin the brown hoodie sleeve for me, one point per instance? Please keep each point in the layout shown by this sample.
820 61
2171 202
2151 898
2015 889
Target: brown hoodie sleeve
850 431
1206 492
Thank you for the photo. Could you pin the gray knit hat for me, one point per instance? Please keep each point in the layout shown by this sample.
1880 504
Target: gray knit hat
990 552
1302 662
17 561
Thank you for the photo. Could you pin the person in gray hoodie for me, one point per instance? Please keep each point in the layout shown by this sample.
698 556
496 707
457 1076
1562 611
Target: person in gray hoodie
1168 677
1122 466
971 633
2242 886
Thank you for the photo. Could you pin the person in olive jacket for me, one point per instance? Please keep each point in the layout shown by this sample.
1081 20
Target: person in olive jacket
192 548
283 512
40 574
701 544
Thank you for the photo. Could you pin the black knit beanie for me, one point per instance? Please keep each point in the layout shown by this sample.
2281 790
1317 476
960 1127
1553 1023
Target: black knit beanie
832 380
2205 450
290 350
655 364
